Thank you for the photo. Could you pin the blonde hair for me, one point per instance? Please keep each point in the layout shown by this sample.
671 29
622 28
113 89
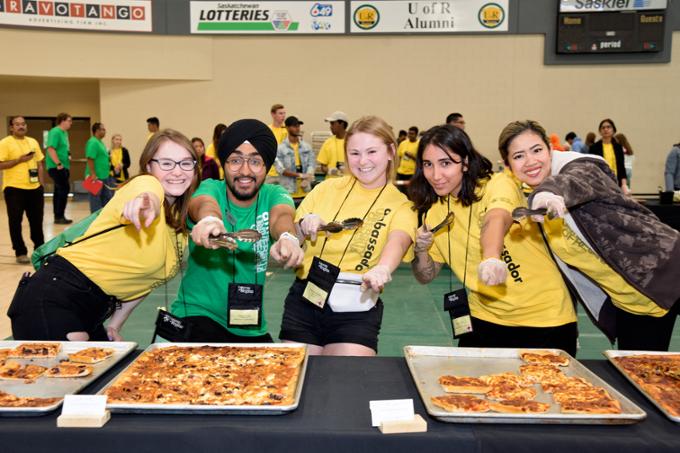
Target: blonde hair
377 127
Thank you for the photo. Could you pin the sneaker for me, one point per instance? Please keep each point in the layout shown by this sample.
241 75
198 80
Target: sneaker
23 259
63 221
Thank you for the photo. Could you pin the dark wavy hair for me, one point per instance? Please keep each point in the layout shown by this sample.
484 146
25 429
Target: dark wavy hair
456 143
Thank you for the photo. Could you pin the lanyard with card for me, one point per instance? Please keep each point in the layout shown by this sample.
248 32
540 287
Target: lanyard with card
322 274
244 300
456 302
33 175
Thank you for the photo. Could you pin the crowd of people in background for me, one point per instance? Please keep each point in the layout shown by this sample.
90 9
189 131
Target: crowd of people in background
252 195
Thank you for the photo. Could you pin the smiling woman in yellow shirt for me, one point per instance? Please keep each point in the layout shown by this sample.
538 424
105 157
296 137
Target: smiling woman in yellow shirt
143 235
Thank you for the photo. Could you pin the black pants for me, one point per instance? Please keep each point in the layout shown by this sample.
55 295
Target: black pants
56 300
489 335
62 187
204 329
645 333
32 202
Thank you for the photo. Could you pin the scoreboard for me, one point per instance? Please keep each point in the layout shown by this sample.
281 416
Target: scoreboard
610 26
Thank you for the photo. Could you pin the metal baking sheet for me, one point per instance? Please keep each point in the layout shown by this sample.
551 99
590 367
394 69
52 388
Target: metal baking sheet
428 363
611 354
45 387
141 408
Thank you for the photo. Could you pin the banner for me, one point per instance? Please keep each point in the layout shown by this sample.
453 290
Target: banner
268 17
599 6
429 16
92 15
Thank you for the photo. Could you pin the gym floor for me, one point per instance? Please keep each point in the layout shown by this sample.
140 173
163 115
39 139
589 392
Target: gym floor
413 312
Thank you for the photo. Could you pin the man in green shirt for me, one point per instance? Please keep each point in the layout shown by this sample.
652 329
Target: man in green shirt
98 166
220 297
58 163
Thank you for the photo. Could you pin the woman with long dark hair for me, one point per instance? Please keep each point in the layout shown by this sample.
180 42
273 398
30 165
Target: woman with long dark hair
612 152
108 274
514 293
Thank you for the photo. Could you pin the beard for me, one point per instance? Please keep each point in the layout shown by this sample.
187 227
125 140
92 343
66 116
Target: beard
243 196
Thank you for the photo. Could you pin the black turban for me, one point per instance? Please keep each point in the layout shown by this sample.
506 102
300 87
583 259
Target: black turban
256 133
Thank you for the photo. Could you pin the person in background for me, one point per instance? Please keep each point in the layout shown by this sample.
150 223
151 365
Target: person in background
575 142
152 125
672 170
98 167
621 259
456 119
23 181
590 139
109 274
120 159
277 126
211 152
403 135
295 161
207 165
368 255
406 157
612 152
628 156
58 164
220 296
516 297
331 156
555 143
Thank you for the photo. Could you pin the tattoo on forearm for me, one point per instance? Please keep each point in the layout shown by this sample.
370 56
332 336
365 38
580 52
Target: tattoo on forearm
424 269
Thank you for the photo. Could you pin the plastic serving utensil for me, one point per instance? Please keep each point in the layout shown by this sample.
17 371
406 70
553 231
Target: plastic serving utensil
447 221
520 213
348 224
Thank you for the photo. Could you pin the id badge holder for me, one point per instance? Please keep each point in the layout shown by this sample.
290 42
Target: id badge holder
244 305
33 175
456 303
320 281
171 327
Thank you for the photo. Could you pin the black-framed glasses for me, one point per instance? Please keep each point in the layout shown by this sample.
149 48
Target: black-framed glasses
235 163
169 164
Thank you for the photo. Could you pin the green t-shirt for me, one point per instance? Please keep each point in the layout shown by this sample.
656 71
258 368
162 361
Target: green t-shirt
96 150
204 287
57 139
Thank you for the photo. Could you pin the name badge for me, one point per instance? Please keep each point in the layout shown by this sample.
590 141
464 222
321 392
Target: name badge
456 303
320 281
244 305
33 175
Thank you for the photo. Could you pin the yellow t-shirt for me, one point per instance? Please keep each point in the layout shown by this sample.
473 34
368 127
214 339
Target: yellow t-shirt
392 211
332 151
534 294
212 152
407 165
609 156
11 148
569 247
127 263
280 133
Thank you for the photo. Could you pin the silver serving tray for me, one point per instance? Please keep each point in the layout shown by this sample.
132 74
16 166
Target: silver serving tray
611 354
45 387
428 363
142 408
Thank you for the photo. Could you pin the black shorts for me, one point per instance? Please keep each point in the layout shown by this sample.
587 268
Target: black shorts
206 330
307 323
490 335
56 300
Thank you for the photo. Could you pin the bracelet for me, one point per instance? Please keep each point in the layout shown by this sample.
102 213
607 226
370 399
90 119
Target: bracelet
206 218
287 235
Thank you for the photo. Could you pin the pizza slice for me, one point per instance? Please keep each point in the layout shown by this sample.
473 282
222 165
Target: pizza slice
510 391
519 406
538 373
460 403
600 406
463 384
69 370
544 358
12 370
9 400
35 351
91 355
506 378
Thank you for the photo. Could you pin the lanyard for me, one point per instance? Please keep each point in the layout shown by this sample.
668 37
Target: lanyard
233 252
355 231
467 243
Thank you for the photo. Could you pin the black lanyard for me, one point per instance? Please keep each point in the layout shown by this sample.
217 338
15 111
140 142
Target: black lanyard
467 243
355 231
233 252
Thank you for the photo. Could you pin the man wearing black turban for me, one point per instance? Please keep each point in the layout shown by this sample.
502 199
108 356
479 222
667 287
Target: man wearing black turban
220 297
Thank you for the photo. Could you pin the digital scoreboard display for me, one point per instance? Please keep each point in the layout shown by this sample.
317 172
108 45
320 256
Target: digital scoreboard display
611 26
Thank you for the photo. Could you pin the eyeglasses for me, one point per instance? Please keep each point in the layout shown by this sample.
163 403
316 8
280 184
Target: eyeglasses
235 163
169 164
